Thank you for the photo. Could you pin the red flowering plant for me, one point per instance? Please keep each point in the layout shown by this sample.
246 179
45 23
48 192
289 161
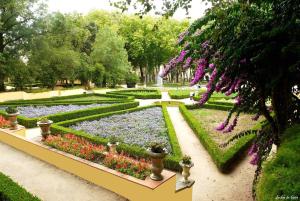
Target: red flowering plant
127 165
82 148
4 123
76 145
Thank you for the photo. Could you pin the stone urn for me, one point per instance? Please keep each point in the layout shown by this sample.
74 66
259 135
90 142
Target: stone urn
186 171
12 117
113 147
45 128
157 164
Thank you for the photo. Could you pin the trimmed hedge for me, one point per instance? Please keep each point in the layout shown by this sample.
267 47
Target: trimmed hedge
280 176
139 93
223 160
11 191
210 106
181 94
63 99
171 162
62 116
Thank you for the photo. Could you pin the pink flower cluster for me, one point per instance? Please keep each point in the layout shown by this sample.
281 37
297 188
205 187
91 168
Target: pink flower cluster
172 64
181 56
253 152
200 71
187 64
230 128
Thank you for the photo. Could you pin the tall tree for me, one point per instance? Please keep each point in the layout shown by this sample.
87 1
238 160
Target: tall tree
17 26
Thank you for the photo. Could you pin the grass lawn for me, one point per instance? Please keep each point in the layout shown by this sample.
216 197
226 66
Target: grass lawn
211 118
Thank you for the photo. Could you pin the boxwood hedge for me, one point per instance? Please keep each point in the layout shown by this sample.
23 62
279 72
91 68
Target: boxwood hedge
139 93
171 162
223 160
62 116
11 191
65 99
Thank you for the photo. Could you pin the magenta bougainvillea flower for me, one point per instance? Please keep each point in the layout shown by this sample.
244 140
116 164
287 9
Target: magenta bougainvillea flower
187 64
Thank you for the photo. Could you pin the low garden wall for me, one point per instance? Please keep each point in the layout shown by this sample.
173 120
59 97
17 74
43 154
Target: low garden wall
124 185
21 95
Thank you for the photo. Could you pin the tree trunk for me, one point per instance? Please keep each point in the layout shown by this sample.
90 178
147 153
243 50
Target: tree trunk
142 74
2 85
2 74
280 104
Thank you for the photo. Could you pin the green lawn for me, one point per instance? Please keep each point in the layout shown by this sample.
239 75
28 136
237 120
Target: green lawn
211 118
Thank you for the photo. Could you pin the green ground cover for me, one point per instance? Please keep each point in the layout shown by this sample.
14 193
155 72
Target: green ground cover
11 191
281 175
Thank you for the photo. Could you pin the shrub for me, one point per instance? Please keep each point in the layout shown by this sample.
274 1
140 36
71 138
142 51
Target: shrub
131 78
139 93
11 110
157 147
186 160
11 191
280 176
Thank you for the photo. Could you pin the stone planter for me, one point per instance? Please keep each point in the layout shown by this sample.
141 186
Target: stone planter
130 85
157 164
186 171
45 128
13 120
112 147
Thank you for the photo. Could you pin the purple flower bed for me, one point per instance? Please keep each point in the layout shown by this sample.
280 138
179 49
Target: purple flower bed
38 111
137 128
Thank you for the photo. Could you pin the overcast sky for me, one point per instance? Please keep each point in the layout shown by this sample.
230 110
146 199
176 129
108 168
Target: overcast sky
84 6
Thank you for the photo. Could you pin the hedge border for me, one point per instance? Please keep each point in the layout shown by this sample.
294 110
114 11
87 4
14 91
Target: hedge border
11 191
171 161
223 160
31 122
136 95
173 95
61 99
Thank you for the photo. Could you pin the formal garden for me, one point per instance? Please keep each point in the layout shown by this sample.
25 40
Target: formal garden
141 107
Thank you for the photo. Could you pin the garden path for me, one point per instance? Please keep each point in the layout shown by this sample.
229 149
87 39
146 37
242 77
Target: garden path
48 182
210 184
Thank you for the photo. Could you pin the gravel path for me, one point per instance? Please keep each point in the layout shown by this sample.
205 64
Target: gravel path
48 182
210 184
